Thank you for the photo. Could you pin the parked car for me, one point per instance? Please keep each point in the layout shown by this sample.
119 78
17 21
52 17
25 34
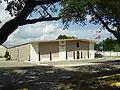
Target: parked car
98 55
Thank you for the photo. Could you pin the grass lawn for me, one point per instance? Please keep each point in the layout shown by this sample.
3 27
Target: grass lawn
111 82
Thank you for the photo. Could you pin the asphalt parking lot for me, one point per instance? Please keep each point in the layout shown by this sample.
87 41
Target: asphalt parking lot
19 75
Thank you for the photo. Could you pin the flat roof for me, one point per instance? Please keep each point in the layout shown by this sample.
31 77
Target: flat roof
82 40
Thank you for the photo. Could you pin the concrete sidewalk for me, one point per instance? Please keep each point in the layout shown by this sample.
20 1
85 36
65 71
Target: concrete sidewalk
76 62
15 63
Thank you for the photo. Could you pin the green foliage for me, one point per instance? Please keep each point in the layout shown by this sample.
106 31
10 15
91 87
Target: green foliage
109 44
117 48
102 12
65 37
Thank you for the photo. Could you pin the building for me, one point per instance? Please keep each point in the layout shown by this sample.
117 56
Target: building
53 50
2 51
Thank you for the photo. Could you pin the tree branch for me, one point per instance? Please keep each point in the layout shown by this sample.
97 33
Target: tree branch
45 10
39 20
118 23
102 21
115 33
42 2
10 26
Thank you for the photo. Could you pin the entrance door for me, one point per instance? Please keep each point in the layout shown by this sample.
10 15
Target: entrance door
78 55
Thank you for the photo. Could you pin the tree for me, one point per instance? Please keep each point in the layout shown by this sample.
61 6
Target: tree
65 37
108 44
117 48
102 12
22 10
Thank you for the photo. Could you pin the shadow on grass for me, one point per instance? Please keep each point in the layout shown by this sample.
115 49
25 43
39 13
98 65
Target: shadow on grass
52 78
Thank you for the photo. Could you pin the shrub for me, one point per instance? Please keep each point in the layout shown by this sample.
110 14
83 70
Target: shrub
7 55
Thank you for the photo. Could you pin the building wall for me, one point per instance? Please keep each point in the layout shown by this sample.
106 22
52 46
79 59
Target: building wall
34 52
13 53
55 50
59 50
20 52
62 50
74 52
24 52
2 51
91 51
49 48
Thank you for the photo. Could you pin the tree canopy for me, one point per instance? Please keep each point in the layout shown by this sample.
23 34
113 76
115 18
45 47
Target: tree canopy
109 44
65 37
22 10
102 12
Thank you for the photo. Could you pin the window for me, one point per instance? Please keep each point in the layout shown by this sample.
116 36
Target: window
77 44
62 42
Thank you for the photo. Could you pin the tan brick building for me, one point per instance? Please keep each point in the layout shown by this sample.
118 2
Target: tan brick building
53 50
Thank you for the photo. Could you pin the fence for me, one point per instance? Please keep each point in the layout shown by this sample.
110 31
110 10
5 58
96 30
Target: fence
109 53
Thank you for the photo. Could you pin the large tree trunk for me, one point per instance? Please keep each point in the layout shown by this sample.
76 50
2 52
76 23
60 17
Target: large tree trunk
8 28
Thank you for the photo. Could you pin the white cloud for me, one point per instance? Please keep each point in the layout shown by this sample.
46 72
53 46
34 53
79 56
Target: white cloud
38 31
48 31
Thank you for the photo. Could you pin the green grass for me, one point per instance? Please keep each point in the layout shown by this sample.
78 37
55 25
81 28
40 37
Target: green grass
98 83
107 80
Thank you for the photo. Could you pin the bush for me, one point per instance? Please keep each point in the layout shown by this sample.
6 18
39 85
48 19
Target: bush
7 55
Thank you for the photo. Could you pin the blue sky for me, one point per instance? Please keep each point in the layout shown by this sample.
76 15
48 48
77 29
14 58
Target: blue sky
48 30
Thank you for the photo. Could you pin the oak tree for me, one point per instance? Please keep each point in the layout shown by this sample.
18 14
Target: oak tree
22 10
102 12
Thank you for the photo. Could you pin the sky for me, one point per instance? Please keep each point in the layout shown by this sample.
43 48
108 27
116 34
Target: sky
48 30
